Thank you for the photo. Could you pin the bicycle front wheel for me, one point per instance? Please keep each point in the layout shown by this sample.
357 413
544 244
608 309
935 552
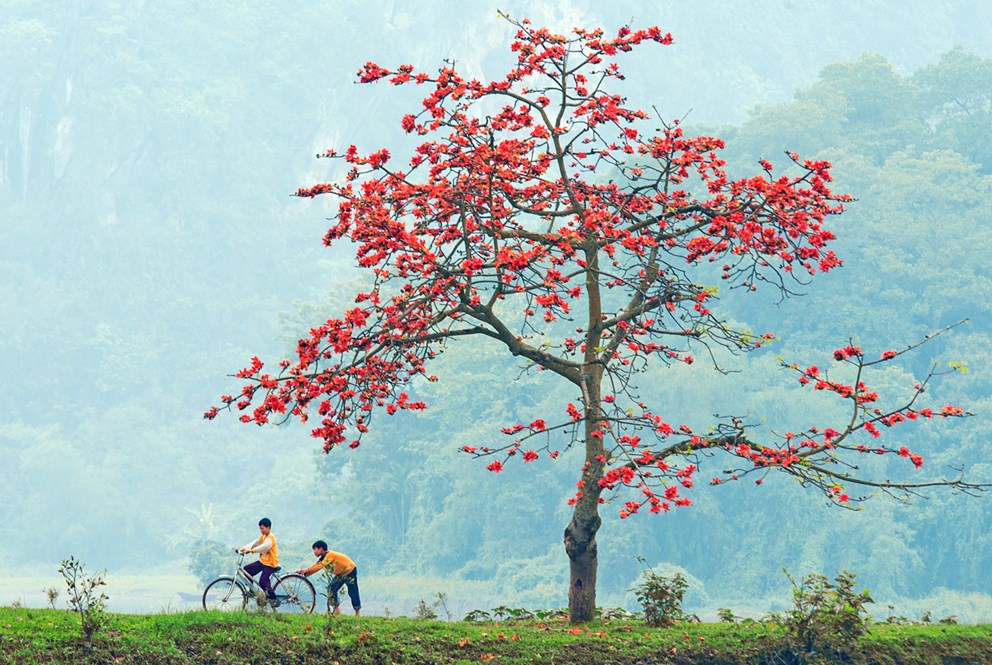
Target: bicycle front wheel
295 595
225 595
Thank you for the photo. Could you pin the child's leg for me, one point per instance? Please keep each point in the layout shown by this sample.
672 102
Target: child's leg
264 582
254 568
356 600
333 604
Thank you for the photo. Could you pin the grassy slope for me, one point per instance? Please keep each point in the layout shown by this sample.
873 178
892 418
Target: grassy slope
53 636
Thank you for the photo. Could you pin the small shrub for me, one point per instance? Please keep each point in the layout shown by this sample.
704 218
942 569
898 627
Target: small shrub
726 615
661 597
504 613
896 619
827 616
83 596
615 614
52 595
429 612
477 616
442 601
554 613
424 612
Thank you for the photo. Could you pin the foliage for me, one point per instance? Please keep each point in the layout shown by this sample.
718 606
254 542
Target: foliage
616 614
83 596
827 617
661 597
51 595
505 613
208 559
424 611
542 213
726 615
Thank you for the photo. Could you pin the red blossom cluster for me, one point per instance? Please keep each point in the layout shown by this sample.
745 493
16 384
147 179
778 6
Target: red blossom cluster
500 224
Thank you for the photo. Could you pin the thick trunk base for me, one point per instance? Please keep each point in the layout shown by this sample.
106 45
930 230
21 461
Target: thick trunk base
583 563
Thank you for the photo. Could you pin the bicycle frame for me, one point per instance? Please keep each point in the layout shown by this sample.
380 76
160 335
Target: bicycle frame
242 576
248 583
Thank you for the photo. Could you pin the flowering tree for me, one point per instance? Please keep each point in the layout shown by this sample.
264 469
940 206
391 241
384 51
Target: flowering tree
539 213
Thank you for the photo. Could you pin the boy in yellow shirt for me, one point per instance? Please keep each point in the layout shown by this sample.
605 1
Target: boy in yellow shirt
268 562
344 572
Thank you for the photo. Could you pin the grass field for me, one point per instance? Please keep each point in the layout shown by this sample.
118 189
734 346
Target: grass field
54 636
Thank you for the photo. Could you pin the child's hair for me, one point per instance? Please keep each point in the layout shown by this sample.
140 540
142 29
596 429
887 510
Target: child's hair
265 521
321 544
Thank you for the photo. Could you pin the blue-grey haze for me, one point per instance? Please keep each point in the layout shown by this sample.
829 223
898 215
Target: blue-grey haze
149 246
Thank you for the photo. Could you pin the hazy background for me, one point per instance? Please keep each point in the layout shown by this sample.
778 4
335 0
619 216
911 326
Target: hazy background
149 246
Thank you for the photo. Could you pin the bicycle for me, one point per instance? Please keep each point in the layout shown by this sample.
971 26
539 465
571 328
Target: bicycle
294 594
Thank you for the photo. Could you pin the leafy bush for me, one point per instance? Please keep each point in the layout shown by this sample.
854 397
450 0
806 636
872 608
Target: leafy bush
52 594
504 613
827 617
83 597
424 612
661 597
209 559
726 615
429 611
615 614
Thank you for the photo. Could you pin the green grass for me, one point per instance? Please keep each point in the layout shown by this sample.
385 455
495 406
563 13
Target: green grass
54 636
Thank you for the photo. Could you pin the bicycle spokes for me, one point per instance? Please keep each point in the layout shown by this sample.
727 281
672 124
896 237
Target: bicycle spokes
295 595
224 594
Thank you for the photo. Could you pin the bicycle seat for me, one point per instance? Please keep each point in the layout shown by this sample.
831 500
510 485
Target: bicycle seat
277 569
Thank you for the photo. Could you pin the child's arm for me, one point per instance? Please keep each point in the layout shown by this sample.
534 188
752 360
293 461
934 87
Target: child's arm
251 545
307 572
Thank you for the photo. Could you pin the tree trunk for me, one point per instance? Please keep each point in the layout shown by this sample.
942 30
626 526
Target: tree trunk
580 535
580 544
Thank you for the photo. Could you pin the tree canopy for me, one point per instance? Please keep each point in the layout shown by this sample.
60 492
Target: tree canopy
543 212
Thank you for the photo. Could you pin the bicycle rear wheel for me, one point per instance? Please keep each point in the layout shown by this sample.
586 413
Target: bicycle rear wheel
225 595
295 595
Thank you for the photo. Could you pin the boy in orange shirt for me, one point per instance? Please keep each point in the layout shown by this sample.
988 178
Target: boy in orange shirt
345 573
268 562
